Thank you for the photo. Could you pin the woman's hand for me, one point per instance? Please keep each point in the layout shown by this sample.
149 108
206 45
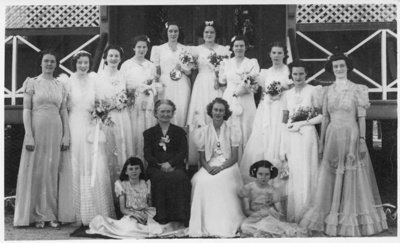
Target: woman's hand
215 170
363 146
65 143
166 167
294 127
241 90
275 97
29 142
320 150
140 216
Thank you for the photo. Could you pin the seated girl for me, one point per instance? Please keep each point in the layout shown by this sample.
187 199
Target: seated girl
134 199
263 208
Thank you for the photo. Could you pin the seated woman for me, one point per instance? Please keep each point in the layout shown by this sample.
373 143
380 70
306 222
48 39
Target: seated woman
262 206
135 200
165 149
216 208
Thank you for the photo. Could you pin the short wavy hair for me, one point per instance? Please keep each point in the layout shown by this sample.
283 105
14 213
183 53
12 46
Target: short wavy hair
336 57
266 164
239 38
78 55
200 29
48 52
113 47
164 33
281 45
219 100
144 38
132 161
298 64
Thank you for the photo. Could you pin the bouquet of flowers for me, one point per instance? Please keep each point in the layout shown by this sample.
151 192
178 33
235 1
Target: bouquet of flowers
119 100
131 97
99 112
248 80
153 84
215 60
303 114
187 60
275 88
284 174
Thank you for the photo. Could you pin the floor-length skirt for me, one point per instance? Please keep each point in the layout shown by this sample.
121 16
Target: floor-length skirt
216 207
44 186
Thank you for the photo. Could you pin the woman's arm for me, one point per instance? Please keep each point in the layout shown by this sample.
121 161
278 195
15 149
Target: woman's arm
246 204
183 148
203 161
228 163
148 153
361 125
65 121
324 125
140 216
27 118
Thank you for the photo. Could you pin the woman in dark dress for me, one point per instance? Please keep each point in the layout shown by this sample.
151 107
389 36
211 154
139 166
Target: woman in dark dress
165 149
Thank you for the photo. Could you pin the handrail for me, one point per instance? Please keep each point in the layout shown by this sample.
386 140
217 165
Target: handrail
99 51
293 44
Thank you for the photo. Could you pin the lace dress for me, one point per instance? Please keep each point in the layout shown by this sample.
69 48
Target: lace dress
128 227
346 199
266 221
89 201
44 186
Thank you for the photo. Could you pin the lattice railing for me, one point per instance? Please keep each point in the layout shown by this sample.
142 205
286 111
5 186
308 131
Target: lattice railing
345 13
52 16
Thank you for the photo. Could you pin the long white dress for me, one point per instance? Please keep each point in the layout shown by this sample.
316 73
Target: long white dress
202 94
142 114
119 138
177 91
302 151
216 207
244 106
89 201
264 141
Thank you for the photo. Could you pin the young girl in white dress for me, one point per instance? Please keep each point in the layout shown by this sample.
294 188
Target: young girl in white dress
166 59
135 204
89 200
140 77
263 208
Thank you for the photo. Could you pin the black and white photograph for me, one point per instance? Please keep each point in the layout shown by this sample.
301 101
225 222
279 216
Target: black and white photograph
199 121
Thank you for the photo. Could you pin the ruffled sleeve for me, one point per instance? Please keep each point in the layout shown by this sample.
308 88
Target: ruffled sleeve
244 191
199 138
28 86
362 100
119 189
235 135
155 55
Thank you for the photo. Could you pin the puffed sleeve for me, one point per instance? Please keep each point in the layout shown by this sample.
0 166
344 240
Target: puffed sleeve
119 189
28 86
244 191
155 55
236 135
255 67
65 95
317 96
199 138
284 100
325 103
193 50
362 100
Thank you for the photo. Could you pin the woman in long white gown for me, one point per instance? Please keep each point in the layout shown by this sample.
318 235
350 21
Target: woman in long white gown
216 208
166 59
140 77
205 87
119 138
238 94
301 142
89 201
265 139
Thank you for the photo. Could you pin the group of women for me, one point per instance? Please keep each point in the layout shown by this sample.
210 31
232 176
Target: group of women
264 172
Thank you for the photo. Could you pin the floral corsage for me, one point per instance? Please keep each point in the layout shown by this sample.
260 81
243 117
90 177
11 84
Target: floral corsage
163 142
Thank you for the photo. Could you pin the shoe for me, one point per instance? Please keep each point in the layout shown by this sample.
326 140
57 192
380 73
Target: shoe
39 225
55 224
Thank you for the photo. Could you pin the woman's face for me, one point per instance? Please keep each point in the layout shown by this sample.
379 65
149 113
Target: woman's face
82 65
113 58
209 34
49 63
339 68
218 112
277 54
165 113
140 48
263 176
173 33
133 171
239 48
299 76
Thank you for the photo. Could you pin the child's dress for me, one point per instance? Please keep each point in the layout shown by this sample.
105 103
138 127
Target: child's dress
266 221
128 227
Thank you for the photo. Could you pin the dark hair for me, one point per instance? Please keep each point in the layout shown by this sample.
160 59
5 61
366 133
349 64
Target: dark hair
219 100
266 164
131 161
164 34
78 55
138 38
298 64
163 102
336 57
202 27
239 38
113 47
48 52
281 45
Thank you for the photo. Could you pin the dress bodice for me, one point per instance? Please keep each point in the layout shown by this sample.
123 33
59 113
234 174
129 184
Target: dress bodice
107 86
281 76
46 94
231 71
202 54
165 57
259 197
135 199
135 75
308 96
81 95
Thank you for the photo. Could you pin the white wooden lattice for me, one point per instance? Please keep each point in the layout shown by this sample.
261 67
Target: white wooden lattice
345 13
52 16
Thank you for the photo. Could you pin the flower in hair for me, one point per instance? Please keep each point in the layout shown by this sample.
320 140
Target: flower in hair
233 38
210 23
166 25
148 39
